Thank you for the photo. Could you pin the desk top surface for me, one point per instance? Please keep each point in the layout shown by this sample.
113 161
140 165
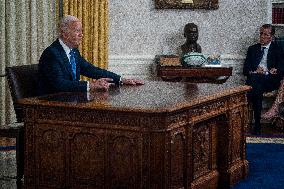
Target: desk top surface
154 96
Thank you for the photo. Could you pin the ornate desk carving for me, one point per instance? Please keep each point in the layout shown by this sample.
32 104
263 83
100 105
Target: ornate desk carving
160 135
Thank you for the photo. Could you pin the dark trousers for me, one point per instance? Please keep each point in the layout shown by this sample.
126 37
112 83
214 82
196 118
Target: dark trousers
260 83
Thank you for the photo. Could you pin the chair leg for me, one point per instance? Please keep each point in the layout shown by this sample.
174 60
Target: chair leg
250 118
20 154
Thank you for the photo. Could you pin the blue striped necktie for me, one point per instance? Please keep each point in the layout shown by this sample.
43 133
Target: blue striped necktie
73 63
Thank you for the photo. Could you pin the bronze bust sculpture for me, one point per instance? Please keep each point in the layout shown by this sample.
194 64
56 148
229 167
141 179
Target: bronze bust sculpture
191 35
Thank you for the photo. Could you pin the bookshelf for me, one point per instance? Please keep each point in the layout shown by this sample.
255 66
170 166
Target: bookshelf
278 13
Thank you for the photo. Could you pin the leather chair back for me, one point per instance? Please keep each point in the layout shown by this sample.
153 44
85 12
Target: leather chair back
281 109
23 83
280 41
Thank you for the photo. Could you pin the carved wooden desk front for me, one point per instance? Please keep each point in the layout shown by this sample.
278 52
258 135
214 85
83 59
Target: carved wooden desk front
161 135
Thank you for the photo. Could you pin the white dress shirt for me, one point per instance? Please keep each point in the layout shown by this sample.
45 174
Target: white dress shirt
263 62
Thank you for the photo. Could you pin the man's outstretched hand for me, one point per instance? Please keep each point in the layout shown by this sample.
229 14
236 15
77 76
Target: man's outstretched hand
101 84
132 82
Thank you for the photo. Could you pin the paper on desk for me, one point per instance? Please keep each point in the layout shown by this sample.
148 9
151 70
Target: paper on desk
212 65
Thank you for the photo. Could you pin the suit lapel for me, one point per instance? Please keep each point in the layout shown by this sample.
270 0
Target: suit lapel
257 55
64 58
269 55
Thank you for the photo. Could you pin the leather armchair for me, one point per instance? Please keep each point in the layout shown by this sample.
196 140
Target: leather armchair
280 41
23 83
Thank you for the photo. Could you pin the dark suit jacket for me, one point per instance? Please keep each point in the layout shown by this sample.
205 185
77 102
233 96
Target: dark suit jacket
55 71
275 59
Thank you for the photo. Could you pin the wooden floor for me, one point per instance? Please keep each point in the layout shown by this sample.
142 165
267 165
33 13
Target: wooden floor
7 142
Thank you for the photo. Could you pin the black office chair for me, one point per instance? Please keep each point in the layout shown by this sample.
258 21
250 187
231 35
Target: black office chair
23 83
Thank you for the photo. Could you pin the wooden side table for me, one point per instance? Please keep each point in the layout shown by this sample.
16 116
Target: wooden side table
169 69
195 75
176 72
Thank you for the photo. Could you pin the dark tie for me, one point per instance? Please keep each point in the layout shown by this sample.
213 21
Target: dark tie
261 54
73 64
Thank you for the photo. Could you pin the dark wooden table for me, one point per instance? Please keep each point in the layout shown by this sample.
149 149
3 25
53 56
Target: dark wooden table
160 135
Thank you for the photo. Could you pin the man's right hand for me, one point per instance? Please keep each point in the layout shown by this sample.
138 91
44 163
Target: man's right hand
101 84
260 70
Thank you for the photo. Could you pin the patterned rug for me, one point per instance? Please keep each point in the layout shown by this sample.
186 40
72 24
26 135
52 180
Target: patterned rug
275 139
7 164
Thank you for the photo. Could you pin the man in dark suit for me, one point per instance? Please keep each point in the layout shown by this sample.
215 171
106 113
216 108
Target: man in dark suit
264 68
61 64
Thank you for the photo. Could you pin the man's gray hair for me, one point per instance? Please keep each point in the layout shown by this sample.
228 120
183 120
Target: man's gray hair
65 21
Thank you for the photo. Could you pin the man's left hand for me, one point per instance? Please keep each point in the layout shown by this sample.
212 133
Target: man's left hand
273 71
259 70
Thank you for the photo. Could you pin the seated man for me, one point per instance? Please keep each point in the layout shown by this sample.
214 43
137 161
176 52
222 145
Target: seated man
264 68
191 35
61 64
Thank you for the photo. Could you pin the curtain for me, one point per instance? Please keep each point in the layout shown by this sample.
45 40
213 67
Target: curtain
94 17
27 27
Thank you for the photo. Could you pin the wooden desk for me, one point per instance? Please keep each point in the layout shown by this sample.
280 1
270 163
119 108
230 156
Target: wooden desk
161 135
